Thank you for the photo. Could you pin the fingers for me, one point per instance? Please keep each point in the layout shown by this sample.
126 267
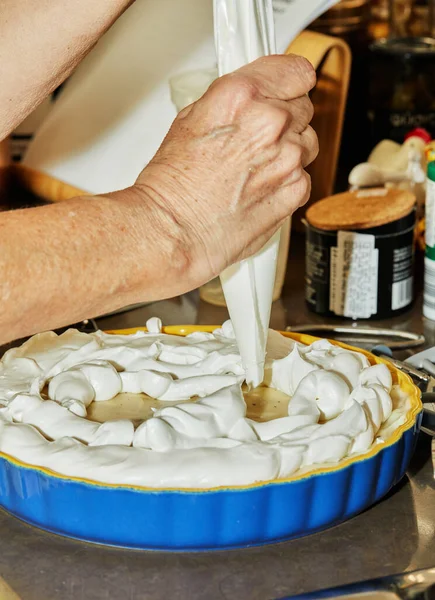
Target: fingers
274 77
299 112
267 122
308 142
282 77
286 200
281 168
270 94
294 194
286 164
291 196
310 146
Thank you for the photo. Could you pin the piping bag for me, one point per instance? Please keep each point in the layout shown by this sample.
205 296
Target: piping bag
244 31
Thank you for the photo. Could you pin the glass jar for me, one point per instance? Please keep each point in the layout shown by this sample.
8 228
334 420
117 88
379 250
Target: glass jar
402 88
379 19
411 18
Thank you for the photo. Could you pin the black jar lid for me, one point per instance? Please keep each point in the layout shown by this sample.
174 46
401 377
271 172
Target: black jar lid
405 48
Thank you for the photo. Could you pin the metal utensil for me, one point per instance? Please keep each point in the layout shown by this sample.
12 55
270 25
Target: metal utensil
357 334
415 585
418 374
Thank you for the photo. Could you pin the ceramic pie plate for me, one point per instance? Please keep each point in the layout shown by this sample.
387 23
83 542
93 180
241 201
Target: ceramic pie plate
206 519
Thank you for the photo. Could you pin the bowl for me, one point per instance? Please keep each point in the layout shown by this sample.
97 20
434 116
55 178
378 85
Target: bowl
217 518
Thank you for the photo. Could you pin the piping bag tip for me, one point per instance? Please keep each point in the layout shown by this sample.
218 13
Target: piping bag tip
254 374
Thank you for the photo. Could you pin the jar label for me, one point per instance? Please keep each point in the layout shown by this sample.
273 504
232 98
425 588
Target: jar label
395 124
402 288
354 276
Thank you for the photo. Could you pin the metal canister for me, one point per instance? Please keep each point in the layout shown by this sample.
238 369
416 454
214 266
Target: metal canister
360 254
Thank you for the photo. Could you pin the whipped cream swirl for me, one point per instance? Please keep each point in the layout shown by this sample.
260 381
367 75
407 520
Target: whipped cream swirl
339 406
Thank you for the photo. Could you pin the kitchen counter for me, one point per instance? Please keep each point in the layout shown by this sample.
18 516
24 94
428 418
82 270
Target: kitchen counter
396 535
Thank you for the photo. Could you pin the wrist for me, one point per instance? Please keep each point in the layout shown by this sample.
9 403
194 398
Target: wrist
164 260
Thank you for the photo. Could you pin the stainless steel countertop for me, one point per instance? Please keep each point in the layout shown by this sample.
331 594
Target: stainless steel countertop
394 536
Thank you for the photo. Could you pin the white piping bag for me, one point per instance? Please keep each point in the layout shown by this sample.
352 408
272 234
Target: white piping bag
244 31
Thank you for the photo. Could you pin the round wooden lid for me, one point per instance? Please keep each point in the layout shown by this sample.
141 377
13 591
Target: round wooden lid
361 209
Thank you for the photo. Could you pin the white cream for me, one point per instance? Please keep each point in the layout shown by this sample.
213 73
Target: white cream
339 406
190 425
287 373
324 392
71 384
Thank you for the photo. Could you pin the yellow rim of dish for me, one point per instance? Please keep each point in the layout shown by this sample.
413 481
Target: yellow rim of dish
405 382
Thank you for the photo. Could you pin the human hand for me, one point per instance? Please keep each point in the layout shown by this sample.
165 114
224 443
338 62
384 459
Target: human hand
231 168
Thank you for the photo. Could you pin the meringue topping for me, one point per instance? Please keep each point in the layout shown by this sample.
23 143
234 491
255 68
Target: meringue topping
201 433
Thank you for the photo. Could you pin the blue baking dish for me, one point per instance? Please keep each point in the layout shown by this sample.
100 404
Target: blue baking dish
193 520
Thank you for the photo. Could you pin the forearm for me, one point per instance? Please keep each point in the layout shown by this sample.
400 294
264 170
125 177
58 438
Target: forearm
63 263
41 42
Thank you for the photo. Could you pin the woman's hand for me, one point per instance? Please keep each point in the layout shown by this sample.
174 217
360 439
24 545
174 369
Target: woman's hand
229 172
231 168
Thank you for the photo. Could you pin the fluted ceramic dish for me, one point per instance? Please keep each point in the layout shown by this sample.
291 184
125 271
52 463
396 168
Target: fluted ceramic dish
204 519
